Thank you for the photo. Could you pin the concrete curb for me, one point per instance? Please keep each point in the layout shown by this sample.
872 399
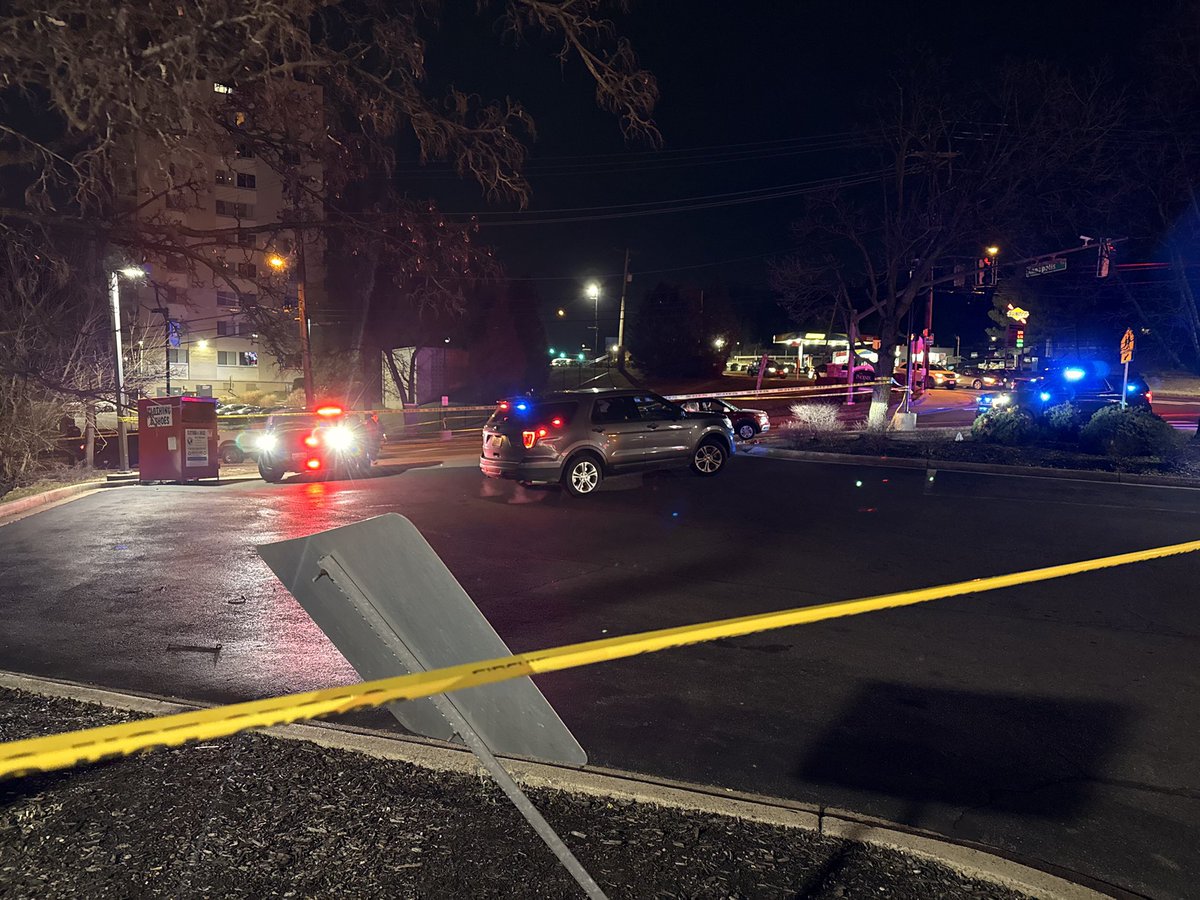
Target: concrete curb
971 860
16 507
948 465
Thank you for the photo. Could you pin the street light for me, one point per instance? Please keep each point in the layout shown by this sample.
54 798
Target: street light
992 251
561 313
279 263
114 292
202 344
592 292
276 262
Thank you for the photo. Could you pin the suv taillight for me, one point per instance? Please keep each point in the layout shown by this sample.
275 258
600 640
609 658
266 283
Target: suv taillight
530 438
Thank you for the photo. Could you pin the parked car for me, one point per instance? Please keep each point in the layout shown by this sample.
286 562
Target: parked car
1089 385
935 377
327 440
985 379
578 438
774 369
746 422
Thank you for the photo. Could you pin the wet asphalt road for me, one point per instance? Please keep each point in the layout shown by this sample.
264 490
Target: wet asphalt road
1056 721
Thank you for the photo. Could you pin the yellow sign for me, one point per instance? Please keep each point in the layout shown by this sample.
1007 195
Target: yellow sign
1020 315
1127 346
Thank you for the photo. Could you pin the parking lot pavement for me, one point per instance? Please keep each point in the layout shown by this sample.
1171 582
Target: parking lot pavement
1054 721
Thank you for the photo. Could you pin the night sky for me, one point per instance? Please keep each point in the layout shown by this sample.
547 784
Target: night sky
753 96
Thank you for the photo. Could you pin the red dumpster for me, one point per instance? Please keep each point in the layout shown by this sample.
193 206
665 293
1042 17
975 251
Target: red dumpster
177 439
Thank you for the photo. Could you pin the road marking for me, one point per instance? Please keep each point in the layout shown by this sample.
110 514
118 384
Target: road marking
61 751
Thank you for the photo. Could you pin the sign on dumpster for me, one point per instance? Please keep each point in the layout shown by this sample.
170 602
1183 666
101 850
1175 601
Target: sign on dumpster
196 447
158 416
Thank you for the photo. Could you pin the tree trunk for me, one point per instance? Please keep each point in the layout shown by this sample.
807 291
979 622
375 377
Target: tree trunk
89 432
882 394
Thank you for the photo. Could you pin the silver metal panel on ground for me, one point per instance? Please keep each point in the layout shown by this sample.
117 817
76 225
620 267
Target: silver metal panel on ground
400 585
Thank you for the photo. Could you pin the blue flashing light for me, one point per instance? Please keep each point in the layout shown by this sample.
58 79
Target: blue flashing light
1074 374
1131 388
1045 395
523 407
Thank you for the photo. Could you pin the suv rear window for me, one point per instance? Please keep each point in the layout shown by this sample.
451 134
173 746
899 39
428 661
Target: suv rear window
536 412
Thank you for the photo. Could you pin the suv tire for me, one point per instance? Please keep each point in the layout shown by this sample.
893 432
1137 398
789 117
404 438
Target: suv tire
746 431
231 454
709 457
270 473
582 475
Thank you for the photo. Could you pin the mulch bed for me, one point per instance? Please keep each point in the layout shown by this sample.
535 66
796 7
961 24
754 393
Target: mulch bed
254 816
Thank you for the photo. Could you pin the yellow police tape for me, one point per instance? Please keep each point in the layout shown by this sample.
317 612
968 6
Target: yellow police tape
61 751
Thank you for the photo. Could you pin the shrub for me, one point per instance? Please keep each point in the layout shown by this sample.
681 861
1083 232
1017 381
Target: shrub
1134 431
810 420
1004 426
1064 420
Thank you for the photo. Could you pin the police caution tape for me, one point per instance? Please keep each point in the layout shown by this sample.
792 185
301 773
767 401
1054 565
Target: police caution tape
61 751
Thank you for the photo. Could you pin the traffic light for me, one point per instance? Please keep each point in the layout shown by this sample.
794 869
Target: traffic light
1102 265
1020 338
985 272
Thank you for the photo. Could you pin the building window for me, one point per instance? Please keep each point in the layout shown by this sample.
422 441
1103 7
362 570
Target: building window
176 356
245 239
244 358
237 210
219 88
227 298
249 299
223 177
247 270
245 151
226 329
245 180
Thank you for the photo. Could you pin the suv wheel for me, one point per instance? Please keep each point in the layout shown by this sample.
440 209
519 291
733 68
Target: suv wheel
709 458
977 384
231 454
582 475
746 431
270 473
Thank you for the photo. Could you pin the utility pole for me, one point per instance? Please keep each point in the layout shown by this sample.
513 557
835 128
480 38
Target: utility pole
302 308
621 319
114 290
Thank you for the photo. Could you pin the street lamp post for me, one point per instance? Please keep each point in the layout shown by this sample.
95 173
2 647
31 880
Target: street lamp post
593 294
279 263
114 296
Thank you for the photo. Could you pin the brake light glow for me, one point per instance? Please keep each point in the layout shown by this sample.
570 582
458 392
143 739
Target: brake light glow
313 464
529 438
329 410
1149 396
502 405
556 422
312 440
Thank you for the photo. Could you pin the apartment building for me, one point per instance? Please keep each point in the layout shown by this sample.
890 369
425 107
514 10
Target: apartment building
225 269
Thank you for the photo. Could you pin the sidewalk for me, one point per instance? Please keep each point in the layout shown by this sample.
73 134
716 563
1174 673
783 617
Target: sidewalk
257 816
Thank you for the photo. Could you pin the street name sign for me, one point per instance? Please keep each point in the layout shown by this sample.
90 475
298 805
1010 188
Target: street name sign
1047 267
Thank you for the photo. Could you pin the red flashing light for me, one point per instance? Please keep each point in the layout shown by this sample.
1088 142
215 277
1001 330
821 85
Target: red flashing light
312 440
556 422
329 410
542 432
313 464
1149 396
502 405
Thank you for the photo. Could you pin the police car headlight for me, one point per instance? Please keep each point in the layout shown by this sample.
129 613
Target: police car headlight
339 438
267 442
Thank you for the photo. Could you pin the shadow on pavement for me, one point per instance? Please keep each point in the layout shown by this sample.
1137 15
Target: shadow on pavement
1029 755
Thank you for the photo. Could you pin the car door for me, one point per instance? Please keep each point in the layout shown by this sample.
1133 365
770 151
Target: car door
667 432
619 429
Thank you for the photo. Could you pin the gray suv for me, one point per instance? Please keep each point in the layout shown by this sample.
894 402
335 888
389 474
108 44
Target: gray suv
579 437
